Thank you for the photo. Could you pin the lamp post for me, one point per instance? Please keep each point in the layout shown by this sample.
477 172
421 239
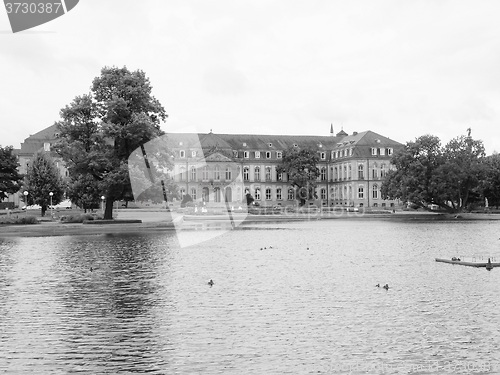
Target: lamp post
26 201
102 203
51 207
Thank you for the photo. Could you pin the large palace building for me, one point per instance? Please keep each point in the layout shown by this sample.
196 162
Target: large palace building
225 167
352 167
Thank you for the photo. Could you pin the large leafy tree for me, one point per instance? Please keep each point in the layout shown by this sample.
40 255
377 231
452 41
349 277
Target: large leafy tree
413 178
100 130
41 179
302 170
9 175
462 171
491 182
426 173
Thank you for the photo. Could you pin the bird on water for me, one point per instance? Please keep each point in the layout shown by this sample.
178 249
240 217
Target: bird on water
386 286
211 282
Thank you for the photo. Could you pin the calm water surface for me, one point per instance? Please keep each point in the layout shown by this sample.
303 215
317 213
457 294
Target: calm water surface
146 306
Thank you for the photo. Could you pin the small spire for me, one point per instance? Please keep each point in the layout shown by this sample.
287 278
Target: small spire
331 129
210 131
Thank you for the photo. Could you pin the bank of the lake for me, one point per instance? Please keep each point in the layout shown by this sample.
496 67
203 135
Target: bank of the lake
128 222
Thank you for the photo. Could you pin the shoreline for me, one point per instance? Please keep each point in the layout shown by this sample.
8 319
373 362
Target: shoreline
212 222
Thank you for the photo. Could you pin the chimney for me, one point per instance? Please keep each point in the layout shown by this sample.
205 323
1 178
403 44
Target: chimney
355 133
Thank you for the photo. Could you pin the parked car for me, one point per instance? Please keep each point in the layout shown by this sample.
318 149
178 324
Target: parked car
65 204
32 207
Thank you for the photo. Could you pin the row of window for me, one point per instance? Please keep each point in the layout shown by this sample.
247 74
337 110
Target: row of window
268 173
380 151
336 194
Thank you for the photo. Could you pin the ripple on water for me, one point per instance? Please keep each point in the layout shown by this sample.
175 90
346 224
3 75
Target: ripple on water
146 305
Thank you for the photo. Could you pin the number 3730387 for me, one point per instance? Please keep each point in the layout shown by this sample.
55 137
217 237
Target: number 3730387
33 8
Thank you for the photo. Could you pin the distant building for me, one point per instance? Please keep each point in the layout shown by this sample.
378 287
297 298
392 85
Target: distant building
42 141
352 167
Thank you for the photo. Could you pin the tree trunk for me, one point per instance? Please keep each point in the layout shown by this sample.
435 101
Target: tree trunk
44 209
108 211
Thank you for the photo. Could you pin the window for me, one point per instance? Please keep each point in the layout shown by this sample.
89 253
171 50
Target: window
382 151
228 173
183 192
360 172
279 154
217 194
268 154
182 153
235 153
193 154
374 151
345 172
268 173
375 191
205 173
270 145
361 191
257 154
278 194
279 176
389 151
336 173
323 194
268 194
383 204
257 193
193 174
382 171
295 145
350 172
246 154
216 173
323 155
46 146
246 173
182 175
257 174
350 152
332 154
323 174
290 194
193 193
374 172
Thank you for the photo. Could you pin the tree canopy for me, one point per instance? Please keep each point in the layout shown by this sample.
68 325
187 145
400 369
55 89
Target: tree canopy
9 176
426 173
99 131
42 179
301 167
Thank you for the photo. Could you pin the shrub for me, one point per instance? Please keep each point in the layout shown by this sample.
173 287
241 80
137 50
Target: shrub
19 220
80 218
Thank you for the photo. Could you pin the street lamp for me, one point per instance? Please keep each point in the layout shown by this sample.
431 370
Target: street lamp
26 201
51 207
102 203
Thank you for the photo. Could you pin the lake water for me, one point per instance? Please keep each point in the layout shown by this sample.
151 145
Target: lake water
146 305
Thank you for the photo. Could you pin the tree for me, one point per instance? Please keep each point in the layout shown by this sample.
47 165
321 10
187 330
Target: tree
491 182
9 175
425 173
83 190
462 171
43 178
99 131
414 178
302 170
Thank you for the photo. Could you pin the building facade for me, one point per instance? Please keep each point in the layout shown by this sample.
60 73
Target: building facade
219 168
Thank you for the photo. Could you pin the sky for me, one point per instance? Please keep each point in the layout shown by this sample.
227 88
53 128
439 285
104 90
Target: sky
400 68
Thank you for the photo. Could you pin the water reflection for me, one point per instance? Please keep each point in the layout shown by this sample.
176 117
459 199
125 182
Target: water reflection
304 306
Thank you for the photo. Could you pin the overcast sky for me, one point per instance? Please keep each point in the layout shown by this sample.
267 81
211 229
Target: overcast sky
400 68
